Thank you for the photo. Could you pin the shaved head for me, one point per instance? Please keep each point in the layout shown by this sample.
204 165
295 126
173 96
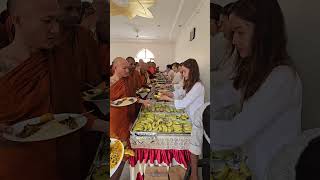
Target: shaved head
120 67
70 12
31 7
131 62
35 22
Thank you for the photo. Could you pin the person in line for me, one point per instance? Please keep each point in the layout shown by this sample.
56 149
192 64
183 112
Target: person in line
191 96
177 75
270 87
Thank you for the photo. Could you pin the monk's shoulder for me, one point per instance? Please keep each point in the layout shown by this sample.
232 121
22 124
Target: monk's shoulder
7 61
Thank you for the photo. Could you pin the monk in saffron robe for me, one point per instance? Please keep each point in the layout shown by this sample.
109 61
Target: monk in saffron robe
80 43
36 80
119 118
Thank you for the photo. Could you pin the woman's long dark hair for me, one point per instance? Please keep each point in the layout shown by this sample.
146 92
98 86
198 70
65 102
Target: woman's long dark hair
268 44
194 74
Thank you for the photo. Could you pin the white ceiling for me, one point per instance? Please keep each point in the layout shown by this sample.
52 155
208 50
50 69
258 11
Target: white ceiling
169 17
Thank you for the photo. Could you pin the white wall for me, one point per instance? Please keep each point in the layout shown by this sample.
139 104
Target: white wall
3 5
303 27
199 48
163 52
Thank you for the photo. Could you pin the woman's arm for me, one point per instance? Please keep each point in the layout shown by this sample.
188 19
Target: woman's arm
272 99
196 91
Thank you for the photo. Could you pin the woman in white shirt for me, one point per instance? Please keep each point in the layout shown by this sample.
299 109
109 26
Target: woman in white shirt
270 88
191 96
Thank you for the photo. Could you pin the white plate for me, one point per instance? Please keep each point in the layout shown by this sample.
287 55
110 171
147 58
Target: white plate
50 130
124 103
143 90
112 141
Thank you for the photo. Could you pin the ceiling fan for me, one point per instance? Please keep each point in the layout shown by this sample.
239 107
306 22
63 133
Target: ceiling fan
139 36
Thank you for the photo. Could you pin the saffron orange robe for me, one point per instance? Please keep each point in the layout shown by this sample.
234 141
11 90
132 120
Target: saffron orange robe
134 83
45 82
79 47
119 116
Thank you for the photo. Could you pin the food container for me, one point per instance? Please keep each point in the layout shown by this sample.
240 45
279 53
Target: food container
160 140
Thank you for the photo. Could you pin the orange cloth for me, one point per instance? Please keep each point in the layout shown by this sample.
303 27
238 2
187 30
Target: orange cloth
134 83
45 82
25 91
79 47
119 117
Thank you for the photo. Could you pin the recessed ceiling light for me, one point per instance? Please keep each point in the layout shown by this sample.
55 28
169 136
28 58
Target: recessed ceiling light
159 25
180 25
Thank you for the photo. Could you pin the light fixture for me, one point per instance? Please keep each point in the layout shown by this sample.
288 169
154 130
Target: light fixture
131 8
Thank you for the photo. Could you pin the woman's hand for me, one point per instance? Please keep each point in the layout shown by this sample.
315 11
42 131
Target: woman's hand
165 98
145 103
169 94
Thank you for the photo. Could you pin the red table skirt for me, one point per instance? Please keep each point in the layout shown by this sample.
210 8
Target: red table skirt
162 156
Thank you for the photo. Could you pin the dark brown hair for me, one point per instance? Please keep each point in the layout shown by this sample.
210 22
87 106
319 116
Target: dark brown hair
268 44
175 65
194 74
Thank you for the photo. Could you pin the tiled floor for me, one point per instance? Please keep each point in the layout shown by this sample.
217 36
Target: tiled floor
125 173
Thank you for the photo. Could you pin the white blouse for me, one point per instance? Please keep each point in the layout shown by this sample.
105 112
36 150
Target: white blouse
269 119
198 132
191 101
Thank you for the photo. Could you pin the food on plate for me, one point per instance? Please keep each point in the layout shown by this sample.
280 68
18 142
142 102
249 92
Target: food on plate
149 122
31 129
28 130
131 100
143 90
46 117
70 122
124 101
115 153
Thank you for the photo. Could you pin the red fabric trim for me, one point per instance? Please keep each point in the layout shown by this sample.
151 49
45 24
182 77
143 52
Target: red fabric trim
166 156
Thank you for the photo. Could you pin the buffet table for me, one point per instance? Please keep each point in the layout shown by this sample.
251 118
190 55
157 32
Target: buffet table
163 146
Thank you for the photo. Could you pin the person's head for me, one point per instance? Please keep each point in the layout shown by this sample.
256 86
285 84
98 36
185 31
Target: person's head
224 21
215 11
35 22
190 73
180 68
169 67
120 67
131 62
70 12
141 61
260 39
175 67
87 9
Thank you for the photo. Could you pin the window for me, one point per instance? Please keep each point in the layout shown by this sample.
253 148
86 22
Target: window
146 55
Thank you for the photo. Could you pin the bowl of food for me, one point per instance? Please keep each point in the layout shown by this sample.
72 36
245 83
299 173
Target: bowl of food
116 154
